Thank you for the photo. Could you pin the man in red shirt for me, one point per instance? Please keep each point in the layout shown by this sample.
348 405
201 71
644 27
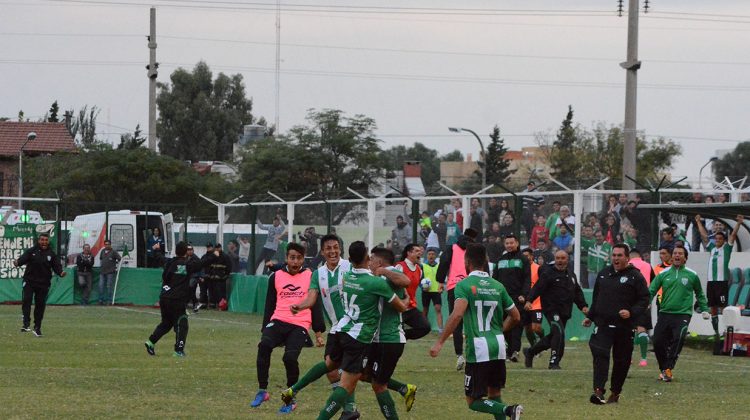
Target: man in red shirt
411 266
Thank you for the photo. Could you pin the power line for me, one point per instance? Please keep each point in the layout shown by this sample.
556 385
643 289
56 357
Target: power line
394 76
387 50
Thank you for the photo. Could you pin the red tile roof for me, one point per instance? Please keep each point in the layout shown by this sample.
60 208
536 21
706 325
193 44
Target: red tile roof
50 137
513 155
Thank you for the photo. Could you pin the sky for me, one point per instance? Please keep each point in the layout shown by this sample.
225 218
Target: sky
416 67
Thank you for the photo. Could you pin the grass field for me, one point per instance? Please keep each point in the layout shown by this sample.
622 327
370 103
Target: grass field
91 363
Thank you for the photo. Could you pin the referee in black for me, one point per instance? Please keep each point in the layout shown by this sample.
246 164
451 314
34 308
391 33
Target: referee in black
620 298
40 262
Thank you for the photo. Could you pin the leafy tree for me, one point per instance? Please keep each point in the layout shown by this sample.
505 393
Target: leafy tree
132 141
83 127
429 159
563 154
53 112
121 177
201 117
735 164
498 168
21 116
326 156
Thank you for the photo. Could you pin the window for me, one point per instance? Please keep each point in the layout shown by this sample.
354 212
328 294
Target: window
121 237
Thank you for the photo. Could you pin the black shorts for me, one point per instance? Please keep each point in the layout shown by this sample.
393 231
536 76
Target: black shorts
279 333
531 317
716 293
644 320
483 375
330 338
382 361
350 354
431 297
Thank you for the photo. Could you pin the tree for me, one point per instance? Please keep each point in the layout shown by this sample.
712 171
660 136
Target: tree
326 156
735 164
132 141
122 177
21 116
429 160
563 153
498 168
83 127
201 118
52 114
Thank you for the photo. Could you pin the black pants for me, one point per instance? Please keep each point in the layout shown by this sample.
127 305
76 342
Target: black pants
203 286
513 337
172 316
293 338
669 336
555 340
619 342
39 295
458 333
420 326
265 255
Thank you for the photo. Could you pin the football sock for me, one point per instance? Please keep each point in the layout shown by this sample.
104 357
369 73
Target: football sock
350 404
397 386
499 400
643 343
715 324
387 406
333 404
488 406
311 376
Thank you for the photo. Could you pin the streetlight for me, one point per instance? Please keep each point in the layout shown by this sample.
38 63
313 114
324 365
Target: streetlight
29 137
700 173
481 146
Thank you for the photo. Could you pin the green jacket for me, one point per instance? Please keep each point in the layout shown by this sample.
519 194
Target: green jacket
678 287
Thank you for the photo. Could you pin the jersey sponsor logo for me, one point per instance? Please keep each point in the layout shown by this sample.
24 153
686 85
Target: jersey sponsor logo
556 318
484 282
291 290
623 279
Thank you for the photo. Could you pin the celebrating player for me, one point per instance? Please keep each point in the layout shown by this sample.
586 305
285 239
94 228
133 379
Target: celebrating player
281 327
483 302
362 290
411 266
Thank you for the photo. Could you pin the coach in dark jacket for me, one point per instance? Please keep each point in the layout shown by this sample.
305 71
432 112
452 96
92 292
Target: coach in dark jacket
559 289
514 272
40 262
620 297
217 274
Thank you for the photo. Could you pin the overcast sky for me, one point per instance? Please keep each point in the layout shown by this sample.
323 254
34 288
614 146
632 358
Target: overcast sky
415 72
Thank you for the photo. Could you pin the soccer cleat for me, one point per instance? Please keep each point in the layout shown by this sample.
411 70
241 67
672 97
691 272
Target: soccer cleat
37 332
460 362
513 412
514 357
410 396
287 396
179 354
150 348
260 398
554 367
613 398
528 359
667 375
288 408
349 415
643 363
597 397
197 307
25 328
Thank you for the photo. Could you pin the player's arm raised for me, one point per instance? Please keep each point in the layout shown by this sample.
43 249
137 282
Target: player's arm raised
733 235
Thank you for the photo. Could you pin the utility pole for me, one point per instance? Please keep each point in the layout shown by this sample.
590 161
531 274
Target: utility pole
152 72
278 63
631 90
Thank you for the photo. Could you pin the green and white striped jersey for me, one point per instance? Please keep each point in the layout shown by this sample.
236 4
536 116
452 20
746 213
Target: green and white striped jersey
718 263
362 292
483 320
390 329
328 284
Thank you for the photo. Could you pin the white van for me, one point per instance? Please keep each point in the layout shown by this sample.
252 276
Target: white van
11 216
126 229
